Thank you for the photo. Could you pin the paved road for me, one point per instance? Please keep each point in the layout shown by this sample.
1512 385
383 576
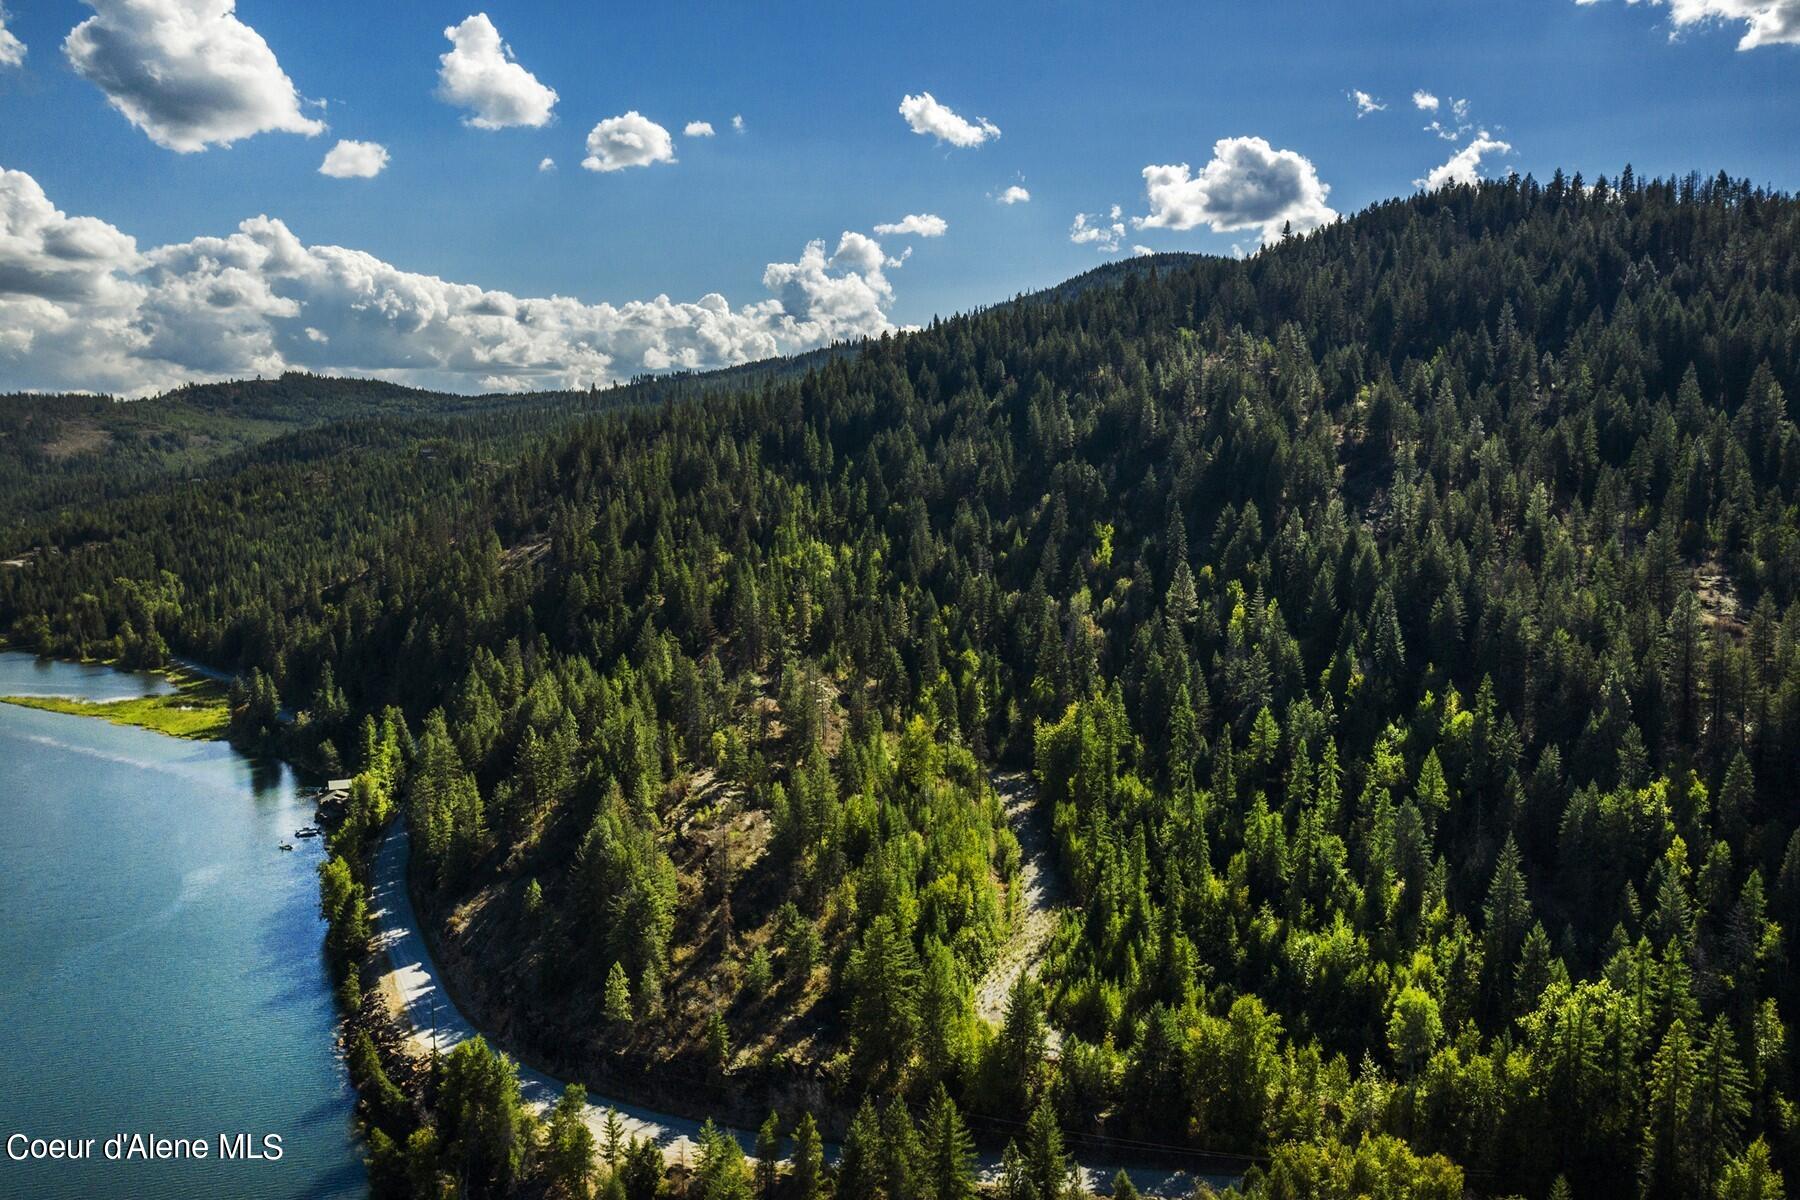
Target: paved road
438 1024
412 976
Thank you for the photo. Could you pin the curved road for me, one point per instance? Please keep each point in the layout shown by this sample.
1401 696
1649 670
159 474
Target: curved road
438 1024
412 980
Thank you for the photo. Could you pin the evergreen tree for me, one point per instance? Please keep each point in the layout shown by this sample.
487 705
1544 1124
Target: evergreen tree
568 1157
1505 914
617 1006
721 1172
902 1155
1667 1164
768 1156
641 1170
808 1178
1047 1165
859 1166
883 977
949 1151
482 1124
1750 1176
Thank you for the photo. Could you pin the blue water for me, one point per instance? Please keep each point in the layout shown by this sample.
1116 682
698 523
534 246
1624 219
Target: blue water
24 675
160 968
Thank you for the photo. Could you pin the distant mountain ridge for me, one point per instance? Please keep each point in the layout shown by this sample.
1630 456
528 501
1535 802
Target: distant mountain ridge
55 447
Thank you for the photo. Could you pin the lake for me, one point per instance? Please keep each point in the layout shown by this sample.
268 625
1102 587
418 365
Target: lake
160 965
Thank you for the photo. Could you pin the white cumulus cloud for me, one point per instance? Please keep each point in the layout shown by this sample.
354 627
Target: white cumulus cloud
1425 101
1102 233
1365 103
737 122
1248 185
12 50
927 225
697 129
1464 166
1766 22
1015 195
354 160
81 307
546 164
479 73
186 72
924 115
50 256
631 140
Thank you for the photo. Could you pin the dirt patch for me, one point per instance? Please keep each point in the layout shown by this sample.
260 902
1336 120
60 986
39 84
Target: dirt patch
77 437
1042 894
525 554
1719 606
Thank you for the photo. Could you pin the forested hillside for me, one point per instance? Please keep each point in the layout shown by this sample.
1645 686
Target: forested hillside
1401 628
74 450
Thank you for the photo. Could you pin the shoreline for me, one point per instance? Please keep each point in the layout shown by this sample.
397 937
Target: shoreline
405 986
400 987
416 994
266 899
196 710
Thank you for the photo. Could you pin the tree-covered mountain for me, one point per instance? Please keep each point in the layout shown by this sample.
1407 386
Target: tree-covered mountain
1400 625
59 451
74 450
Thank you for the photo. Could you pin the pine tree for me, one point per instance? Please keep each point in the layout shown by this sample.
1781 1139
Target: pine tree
883 976
1751 1176
617 1005
859 1166
808 1178
482 1123
1505 914
718 1041
1721 1102
1015 1176
648 995
768 1156
1183 602
949 1152
1535 969
569 1146
901 1152
1047 1165
1737 800
944 1017
612 1145
642 1170
721 1173
1666 1166
1017 1056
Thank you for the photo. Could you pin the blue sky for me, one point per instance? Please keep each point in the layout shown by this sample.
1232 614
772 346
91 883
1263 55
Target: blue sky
1085 97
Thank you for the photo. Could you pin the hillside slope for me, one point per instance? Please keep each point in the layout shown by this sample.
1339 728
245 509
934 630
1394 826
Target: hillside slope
1401 626
61 450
